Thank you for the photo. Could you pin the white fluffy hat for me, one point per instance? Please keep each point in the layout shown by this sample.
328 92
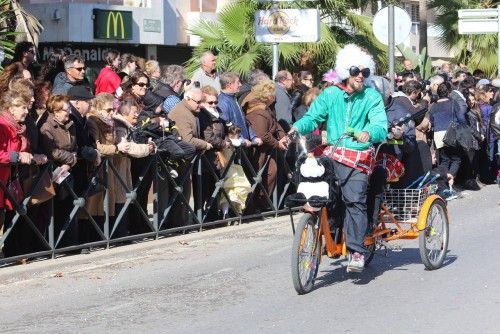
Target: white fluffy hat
352 55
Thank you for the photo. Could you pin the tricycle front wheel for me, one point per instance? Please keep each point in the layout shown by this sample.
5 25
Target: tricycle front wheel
306 254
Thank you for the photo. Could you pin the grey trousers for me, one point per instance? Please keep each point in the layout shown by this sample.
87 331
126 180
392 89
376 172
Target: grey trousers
353 184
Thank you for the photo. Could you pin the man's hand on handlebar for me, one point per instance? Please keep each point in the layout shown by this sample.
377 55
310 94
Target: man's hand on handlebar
363 137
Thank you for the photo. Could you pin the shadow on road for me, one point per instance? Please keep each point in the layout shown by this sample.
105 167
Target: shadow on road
336 272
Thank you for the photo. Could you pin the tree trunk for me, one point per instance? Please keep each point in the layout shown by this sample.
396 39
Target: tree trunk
422 12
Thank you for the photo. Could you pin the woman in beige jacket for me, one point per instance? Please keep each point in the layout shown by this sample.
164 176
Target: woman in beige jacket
124 121
101 127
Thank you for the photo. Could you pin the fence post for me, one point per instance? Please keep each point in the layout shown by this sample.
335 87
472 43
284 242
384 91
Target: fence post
106 205
199 194
51 229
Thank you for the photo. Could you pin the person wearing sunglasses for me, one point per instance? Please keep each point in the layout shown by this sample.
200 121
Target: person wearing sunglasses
136 88
185 116
306 82
350 104
212 130
73 75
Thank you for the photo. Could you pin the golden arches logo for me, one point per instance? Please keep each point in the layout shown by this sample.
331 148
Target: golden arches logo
114 16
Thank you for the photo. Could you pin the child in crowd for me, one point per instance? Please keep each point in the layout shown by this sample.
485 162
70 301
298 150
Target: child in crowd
235 183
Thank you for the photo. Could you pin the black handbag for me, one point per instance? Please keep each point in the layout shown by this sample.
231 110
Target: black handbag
458 135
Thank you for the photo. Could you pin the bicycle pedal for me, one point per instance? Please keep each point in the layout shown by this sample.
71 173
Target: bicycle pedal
397 248
390 246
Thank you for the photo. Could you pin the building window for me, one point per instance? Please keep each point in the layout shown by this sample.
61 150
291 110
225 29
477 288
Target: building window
412 10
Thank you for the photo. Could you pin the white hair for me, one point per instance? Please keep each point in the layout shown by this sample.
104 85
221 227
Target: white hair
352 55
436 80
193 91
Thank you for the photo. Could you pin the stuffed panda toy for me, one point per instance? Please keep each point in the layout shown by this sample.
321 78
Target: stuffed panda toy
316 183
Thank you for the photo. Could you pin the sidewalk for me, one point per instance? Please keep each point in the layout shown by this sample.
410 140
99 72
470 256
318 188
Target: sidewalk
15 274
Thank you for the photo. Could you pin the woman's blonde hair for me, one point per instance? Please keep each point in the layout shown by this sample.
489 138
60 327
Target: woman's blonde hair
56 103
264 91
100 102
151 66
209 90
11 97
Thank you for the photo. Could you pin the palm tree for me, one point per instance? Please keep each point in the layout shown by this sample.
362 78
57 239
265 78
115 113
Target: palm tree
16 25
232 37
422 25
477 51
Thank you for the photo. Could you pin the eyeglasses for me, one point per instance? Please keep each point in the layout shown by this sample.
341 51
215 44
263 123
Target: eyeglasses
354 71
142 84
213 102
79 69
197 102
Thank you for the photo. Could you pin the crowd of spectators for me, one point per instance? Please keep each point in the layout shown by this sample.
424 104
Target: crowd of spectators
134 110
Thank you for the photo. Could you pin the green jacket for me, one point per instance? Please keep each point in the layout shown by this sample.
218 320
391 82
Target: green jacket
362 111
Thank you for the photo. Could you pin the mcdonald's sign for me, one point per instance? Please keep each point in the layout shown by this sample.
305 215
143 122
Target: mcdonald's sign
112 24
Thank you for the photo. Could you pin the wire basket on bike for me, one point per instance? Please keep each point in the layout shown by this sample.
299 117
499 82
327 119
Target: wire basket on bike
405 204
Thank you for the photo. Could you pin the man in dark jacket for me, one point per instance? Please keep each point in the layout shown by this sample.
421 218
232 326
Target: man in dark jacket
283 105
88 156
170 85
73 75
231 110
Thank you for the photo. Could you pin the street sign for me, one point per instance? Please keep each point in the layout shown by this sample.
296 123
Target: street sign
477 26
481 21
402 25
152 25
287 25
478 13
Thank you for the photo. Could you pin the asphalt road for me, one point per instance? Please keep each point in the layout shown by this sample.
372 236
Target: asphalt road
237 280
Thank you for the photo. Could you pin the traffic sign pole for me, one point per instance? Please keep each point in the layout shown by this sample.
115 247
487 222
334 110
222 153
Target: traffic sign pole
276 52
498 41
391 48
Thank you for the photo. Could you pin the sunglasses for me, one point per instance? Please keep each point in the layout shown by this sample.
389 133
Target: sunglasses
354 72
212 102
142 84
79 69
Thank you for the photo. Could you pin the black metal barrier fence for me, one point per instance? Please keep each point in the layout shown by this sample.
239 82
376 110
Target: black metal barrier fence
169 193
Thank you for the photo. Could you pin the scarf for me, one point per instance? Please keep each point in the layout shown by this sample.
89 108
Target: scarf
212 111
20 130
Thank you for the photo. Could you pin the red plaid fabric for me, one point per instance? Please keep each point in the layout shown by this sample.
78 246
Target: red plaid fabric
361 160
393 167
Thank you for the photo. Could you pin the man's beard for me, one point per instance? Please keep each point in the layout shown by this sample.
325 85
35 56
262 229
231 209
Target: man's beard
355 86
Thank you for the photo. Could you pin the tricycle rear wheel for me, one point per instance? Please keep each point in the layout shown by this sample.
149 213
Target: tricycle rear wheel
433 240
